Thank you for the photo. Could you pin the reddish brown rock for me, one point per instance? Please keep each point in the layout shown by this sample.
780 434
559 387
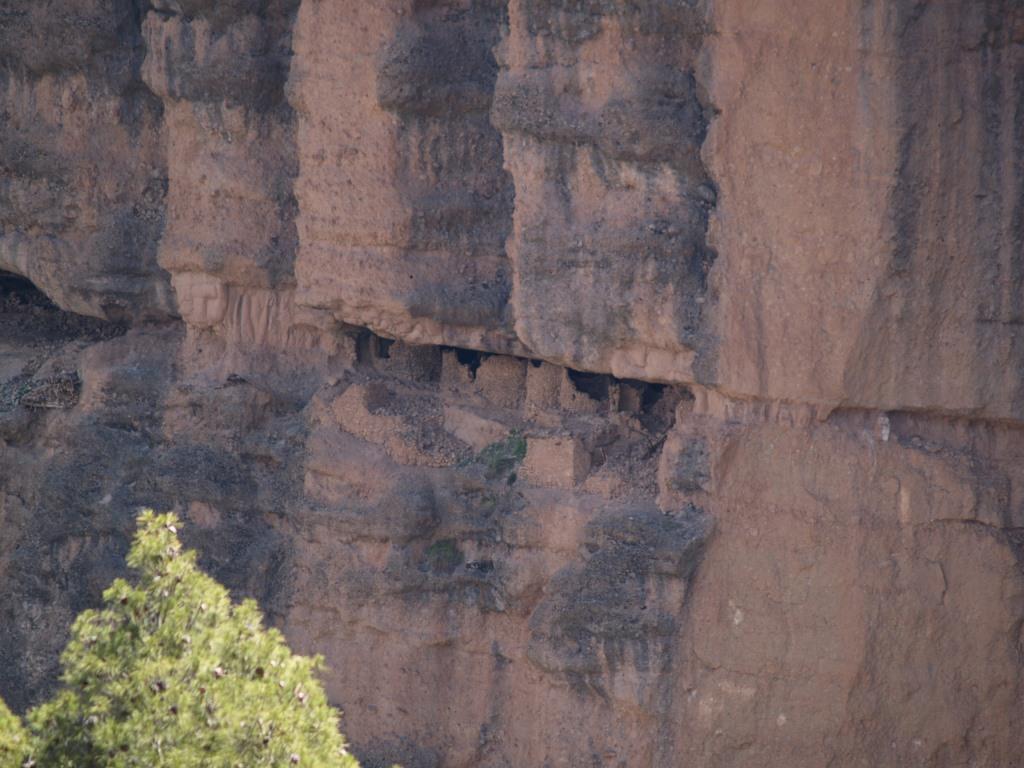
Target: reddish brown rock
404 204
868 219
603 121
81 155
592 383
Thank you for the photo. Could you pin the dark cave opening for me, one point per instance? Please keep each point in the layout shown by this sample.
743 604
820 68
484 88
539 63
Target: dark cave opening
29 317
384 347
370 346
645 399
470 358
18 291
595 385
652 393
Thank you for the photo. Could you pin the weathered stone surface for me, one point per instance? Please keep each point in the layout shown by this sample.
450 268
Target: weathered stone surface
603 123
82 198
868 219
404 206
592 383
855 581
231 152
81 154
559 462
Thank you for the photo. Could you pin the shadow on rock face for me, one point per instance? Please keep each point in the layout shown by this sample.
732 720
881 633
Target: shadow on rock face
612 607
70 492
385 753
67 493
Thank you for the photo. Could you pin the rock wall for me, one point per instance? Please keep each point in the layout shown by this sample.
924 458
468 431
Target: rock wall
592 383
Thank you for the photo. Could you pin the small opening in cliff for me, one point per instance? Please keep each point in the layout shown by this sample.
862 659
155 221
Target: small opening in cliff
29 318
469 358
652 393
639 397
17 291
595 385
370 346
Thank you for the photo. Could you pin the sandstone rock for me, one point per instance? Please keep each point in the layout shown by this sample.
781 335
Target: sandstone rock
543 387
560 462
472 429
602 139
893 115
231 150
404 205
82 204
592 383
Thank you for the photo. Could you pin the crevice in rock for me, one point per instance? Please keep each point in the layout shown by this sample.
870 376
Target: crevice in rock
19 288
652 394
471 359
29 318
595 385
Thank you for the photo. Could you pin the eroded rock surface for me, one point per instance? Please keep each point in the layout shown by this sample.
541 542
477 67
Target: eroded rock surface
84 174
592 383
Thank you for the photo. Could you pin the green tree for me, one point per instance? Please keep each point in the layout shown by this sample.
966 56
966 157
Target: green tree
170 673
13 741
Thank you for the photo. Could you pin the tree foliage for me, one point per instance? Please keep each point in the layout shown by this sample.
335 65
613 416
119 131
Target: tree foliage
13 740
170 673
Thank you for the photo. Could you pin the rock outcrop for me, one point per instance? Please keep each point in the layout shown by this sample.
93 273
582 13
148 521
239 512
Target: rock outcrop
592 383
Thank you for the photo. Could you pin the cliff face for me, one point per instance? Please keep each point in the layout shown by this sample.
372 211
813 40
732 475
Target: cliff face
592 383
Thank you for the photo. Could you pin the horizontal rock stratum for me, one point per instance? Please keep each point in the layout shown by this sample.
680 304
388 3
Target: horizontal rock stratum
592 382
